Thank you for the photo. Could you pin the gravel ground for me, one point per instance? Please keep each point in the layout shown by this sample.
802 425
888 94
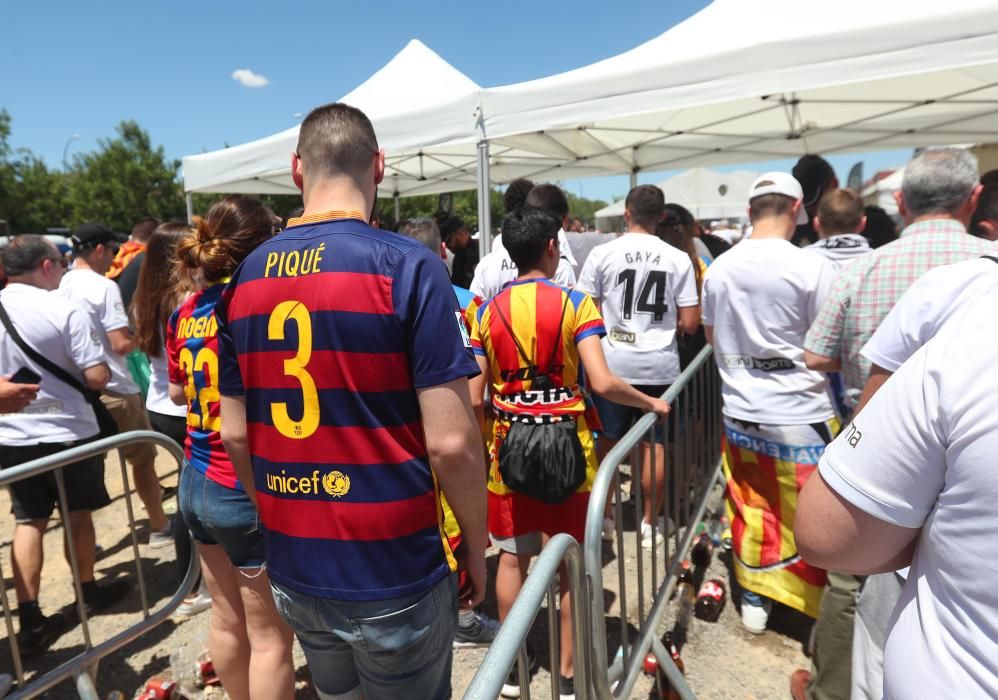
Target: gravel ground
721 659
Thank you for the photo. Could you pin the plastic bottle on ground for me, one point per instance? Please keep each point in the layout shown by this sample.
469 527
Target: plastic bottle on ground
710 600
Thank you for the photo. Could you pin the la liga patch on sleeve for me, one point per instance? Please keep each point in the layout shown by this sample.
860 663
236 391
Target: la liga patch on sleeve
464 329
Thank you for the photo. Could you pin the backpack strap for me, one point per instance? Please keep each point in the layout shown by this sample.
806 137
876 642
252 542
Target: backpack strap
991 258
557 342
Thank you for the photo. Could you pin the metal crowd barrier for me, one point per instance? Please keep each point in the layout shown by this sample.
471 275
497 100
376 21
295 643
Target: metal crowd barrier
693 465
510 643
83 667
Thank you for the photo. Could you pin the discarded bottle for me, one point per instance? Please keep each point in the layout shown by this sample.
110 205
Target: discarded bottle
715 529
710 600
687 594
703 548
725 533
663 690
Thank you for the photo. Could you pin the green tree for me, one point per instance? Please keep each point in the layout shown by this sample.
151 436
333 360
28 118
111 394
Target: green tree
32 197
125 179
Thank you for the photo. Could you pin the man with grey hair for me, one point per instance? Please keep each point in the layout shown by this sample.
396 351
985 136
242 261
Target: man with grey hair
938 196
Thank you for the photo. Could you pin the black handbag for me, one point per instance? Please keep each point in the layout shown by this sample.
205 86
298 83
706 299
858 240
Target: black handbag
541 457
105 421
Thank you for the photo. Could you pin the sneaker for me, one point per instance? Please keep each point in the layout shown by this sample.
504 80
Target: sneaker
37 639
479 633
755 617
108 593
609 530
646 535
511 688
163 538
194 604
566 687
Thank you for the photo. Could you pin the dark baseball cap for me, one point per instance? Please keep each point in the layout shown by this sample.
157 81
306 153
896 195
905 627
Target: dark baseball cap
814 174
91 234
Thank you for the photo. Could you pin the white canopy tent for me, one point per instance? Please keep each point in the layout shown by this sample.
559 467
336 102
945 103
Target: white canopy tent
708 194
753 80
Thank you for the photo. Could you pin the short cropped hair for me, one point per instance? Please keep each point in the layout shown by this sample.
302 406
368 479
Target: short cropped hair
336 139
646 204
25 253
549 198
526 232
516 194
424 230
143 228
840 211
767 205
938 181
987 209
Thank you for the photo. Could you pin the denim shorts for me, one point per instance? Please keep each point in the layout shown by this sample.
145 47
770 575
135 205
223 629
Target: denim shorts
617 418
385 649
216 514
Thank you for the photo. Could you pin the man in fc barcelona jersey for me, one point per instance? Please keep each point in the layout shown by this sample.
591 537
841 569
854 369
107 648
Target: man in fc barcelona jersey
344 379
536 328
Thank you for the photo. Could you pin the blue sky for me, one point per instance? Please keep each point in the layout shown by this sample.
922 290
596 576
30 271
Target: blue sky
80 68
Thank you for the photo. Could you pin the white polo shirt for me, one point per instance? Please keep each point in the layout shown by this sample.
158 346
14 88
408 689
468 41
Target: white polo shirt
761 297
496 270
922 455
640 281
938 295
62 333
100 298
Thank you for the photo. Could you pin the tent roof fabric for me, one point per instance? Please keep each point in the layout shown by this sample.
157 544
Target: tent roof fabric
708 194
740 81
753 80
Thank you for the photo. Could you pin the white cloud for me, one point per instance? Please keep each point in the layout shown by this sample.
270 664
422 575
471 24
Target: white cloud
248 78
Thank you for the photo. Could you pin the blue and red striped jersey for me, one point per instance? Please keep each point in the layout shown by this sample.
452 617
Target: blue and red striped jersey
327 330
192 357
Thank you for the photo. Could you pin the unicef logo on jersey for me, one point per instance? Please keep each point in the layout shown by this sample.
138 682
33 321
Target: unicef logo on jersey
334 483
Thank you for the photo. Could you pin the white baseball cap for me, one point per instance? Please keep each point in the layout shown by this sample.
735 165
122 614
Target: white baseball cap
779 183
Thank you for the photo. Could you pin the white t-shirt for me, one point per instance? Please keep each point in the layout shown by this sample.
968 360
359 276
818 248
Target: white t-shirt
761 297
922 455
158 398
563 246
640 281
62 333
938 295
496 270
101 299
841 249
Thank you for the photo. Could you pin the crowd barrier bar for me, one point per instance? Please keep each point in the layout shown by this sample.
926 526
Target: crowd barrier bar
83 667
693 465
510 643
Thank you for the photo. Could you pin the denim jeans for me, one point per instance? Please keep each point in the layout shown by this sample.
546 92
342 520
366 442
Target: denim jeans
389 649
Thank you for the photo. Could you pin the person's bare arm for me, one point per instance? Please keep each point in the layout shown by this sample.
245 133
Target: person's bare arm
453 445
878 376
97 376
14 397
689 319
177 394
831 533
236 441
821 363
607 384
709 332
477 386
122 341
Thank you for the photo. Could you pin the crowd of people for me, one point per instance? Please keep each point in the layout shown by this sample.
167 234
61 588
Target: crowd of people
364 412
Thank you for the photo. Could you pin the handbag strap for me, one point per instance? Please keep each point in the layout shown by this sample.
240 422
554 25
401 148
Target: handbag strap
49 366
991 258
557 342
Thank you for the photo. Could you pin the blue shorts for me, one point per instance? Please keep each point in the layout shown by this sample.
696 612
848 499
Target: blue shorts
378 649
617 419
216 514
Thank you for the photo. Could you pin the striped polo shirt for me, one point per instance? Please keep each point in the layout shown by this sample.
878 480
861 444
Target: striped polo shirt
327 330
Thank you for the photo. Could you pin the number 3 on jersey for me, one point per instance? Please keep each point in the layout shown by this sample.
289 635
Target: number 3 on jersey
295 367
651 299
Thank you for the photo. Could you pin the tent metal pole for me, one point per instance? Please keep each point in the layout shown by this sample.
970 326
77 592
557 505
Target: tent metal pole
634 179
189 197
484 210
398 215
